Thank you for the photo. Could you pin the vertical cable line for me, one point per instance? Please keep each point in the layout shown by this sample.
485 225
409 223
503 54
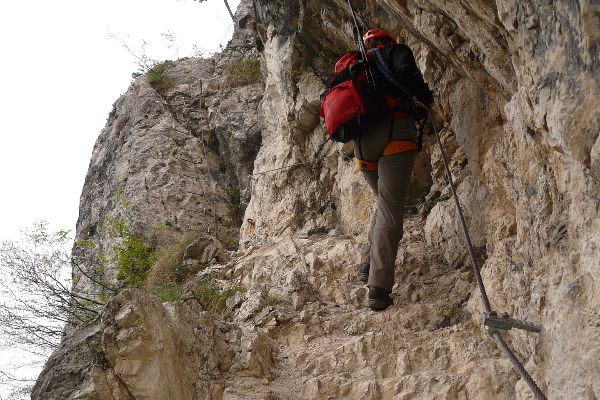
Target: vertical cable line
518 366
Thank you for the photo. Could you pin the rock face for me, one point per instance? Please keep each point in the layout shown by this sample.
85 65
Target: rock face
517 108
175 157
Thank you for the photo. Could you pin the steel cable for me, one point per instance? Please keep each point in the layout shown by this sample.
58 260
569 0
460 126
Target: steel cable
518 366
293 165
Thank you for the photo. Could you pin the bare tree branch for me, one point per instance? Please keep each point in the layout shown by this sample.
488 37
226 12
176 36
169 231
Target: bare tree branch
36 299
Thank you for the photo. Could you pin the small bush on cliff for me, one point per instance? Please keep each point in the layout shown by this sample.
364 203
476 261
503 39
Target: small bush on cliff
236 212
242 72
430 203
159 78
166 293
266 299
168 260
212 298
133 256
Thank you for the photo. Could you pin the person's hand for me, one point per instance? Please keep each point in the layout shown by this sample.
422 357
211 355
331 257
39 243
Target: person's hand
419 104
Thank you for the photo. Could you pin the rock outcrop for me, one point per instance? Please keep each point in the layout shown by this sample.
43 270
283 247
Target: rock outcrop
175 156
283 316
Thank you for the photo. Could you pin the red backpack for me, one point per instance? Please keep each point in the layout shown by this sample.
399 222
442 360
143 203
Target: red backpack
349 103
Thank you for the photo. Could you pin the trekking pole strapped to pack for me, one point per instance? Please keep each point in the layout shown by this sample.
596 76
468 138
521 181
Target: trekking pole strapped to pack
362 48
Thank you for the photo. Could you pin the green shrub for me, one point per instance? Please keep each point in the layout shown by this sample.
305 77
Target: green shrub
132 256
235 207
88 243
242 72
159 78
198 266
166 293
164 270
266 299
428 205
213 298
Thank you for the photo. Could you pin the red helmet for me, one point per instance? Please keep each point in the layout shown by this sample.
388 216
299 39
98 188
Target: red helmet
378 34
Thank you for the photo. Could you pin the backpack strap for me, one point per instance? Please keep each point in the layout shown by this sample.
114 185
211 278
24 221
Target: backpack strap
387 72
346 74
389 75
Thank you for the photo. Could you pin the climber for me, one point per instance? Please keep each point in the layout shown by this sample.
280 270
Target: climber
385 152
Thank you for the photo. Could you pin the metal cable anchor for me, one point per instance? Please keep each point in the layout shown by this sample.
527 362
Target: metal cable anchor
495 322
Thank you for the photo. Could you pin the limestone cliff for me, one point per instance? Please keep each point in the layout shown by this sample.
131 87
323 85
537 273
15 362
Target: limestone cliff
518 100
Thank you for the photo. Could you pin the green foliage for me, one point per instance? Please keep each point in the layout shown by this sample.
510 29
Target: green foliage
120 200
101 269
159 78
88 243
103 297
428 205
242 72
266 299
213 298
168 262
197 267
328 59
81 315
160 228
235 207
133 257
167 293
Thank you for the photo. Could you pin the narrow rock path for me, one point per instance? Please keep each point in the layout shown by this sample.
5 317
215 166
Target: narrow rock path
426 346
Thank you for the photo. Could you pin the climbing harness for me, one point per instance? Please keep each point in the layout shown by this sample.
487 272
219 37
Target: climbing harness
393 147
399 146
495 324
366 166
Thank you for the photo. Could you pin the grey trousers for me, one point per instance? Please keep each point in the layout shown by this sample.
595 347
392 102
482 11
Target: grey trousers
390 183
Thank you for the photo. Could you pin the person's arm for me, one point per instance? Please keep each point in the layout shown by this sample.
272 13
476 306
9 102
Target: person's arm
404 64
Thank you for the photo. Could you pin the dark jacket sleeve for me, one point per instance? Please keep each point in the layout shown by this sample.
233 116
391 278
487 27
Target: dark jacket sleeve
403 63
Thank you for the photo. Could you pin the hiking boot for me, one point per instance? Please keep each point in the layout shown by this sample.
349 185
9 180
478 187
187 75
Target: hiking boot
363 272
379 299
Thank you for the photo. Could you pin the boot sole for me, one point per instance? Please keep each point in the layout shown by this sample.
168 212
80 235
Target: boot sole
379 304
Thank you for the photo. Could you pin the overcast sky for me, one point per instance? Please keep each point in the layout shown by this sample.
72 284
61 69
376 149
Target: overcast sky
61 70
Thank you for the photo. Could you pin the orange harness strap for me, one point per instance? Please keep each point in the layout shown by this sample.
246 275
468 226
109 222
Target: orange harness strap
399 146
365 165
393 147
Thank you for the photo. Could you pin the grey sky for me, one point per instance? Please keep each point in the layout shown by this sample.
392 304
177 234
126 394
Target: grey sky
61 72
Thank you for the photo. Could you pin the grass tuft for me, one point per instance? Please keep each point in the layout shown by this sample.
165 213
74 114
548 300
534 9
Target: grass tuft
168 260
159 78
266 299
242 72
213 298
167 293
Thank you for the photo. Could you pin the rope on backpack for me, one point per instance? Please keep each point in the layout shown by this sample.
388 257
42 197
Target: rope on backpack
496 324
